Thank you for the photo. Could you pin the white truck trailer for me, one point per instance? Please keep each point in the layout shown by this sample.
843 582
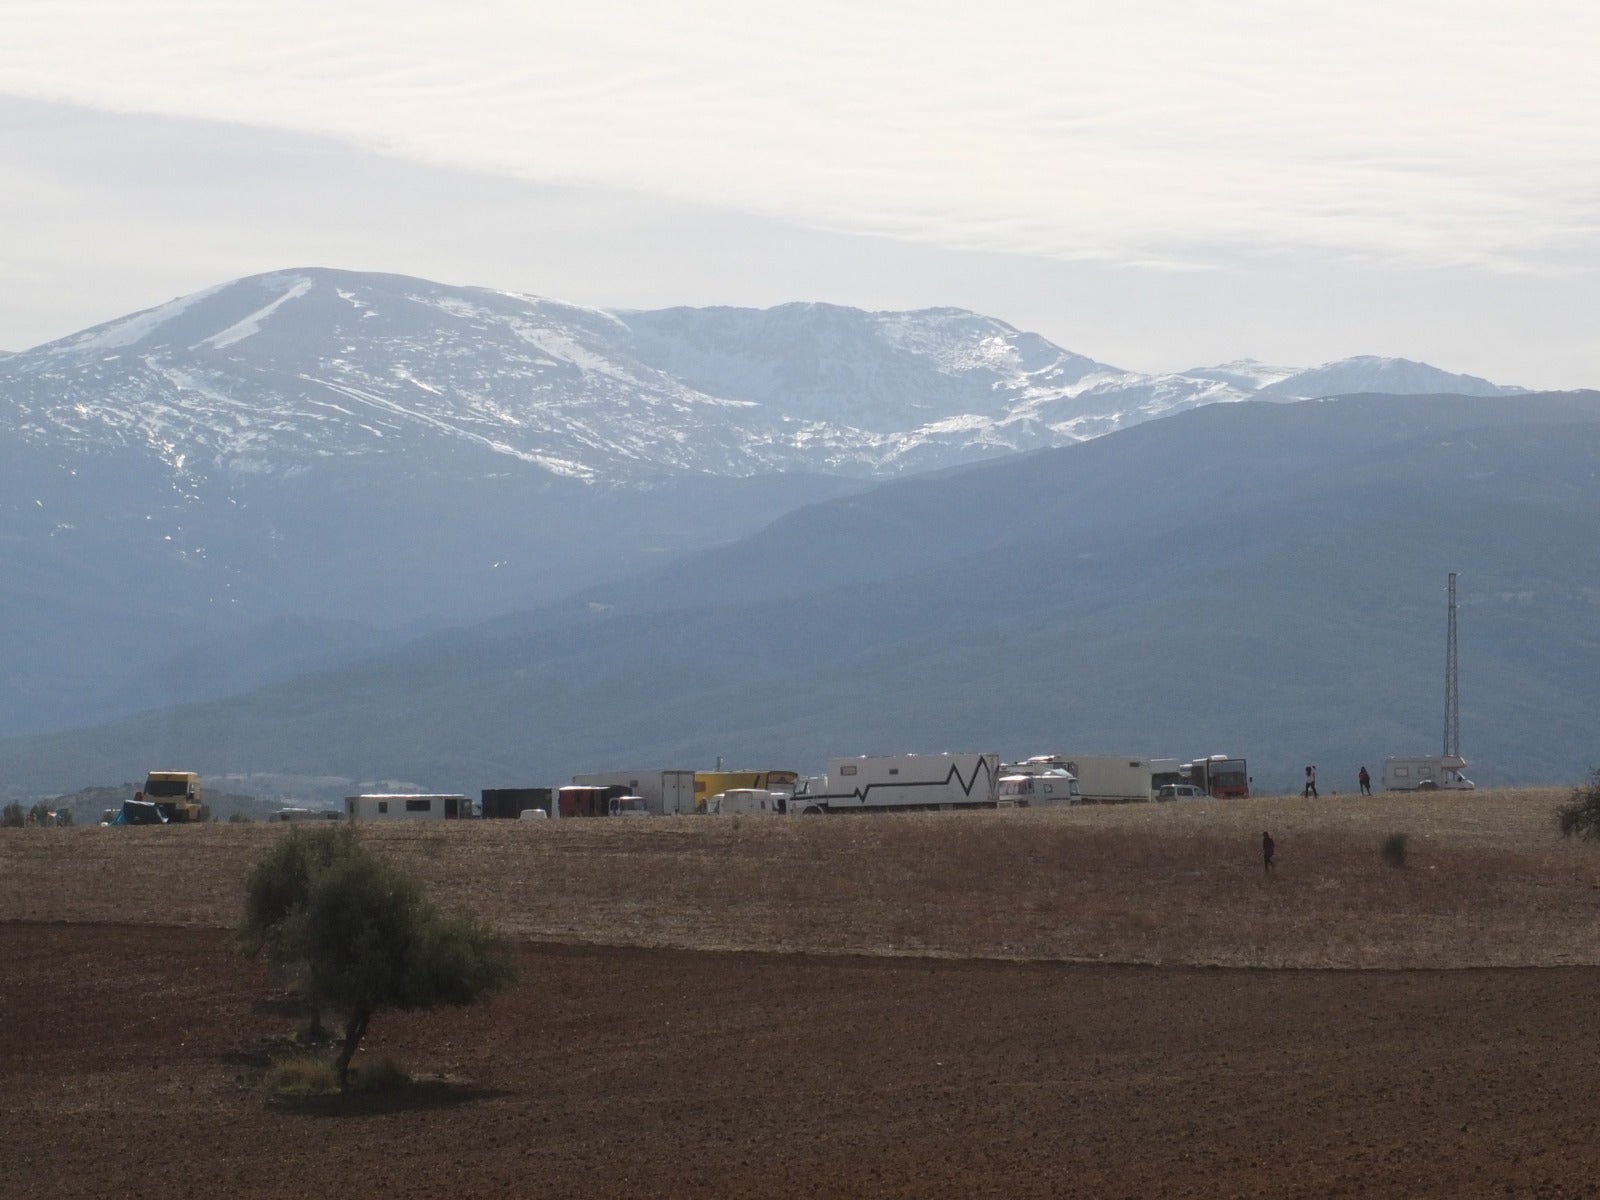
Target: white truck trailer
1113 778
1430 773
665 793
901 782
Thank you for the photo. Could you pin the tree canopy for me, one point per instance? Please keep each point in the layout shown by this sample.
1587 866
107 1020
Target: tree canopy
1580 817
364 933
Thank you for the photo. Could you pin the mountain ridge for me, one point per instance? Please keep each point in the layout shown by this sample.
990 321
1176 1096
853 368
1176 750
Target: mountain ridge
1284 601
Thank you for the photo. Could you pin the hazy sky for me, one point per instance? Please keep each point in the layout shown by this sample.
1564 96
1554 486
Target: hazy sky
1154 183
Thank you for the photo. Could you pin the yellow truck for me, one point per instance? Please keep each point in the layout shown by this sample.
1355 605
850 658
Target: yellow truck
174 796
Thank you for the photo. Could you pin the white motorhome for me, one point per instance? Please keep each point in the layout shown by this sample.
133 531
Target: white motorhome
1038 789
901 782
1436 772
401 806
665 792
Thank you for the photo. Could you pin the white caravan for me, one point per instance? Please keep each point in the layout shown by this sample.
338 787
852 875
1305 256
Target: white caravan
901 782
1436 772
400 806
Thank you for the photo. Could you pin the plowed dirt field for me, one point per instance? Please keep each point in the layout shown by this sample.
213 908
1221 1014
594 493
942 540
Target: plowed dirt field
135 1057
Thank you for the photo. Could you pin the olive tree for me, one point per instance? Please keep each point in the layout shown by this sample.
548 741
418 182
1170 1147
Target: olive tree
366 935
1580 817
275 896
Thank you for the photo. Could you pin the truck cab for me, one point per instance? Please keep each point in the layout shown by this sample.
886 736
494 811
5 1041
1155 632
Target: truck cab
627 806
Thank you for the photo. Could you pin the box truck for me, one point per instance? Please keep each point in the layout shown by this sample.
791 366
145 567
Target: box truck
665 793
1112 778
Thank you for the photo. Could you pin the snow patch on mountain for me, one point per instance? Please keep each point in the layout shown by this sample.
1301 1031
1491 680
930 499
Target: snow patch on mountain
251 325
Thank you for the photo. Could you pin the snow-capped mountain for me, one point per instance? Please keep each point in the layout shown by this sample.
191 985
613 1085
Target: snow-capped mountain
264 373
296 466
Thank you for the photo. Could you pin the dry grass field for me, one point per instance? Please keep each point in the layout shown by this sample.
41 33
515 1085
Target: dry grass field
1003 1003
1488 881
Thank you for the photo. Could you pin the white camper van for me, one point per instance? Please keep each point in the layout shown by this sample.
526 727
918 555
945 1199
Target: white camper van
1436 772
1040 789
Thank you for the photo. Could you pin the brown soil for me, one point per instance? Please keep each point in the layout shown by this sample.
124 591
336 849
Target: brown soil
133 1062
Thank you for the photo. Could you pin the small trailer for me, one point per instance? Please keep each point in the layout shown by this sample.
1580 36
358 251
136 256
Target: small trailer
1437 772
665 793
901 782
404 806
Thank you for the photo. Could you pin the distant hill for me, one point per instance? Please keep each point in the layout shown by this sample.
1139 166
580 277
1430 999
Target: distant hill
1264 579
1386 376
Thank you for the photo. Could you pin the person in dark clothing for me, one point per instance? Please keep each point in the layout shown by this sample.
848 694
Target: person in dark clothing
1268 849
1311 784
1365 781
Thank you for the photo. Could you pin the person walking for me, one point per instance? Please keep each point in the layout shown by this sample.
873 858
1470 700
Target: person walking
1365 781
1268 849
1311 784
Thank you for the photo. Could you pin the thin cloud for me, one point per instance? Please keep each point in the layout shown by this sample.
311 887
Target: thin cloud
1417 130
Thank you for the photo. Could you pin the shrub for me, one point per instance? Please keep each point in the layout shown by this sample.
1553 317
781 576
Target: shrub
13 817
1394 849
1581 816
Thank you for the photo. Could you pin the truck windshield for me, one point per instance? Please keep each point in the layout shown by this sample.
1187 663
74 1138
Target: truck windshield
166 787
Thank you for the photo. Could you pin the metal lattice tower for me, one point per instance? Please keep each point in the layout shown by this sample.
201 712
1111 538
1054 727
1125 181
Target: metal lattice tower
1452 696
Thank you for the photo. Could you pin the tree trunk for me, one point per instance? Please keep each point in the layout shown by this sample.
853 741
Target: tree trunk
315 1033
355 1029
